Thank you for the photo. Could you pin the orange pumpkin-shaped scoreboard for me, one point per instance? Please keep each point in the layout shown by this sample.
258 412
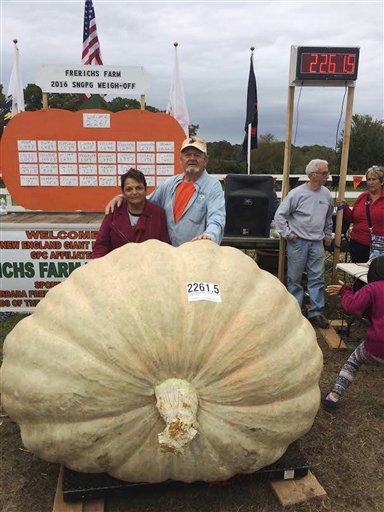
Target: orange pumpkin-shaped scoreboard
57 160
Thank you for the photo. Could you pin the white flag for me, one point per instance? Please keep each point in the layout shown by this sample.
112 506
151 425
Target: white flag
177 106
15 88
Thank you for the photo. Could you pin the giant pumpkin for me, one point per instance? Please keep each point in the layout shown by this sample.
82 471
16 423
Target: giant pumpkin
126 368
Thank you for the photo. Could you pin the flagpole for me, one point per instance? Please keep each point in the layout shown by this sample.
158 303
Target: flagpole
249 148
17 75
249 131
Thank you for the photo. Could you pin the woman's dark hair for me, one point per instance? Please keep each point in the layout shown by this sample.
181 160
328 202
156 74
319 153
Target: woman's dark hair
135 175
376 269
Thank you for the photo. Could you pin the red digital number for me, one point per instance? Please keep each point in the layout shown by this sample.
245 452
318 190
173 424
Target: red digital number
345 63
332 63
313 64
350 63
323 63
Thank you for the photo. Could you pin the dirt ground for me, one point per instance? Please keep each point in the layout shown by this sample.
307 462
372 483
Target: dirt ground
345 450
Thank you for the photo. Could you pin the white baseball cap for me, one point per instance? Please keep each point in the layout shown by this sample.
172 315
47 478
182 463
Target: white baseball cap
195 142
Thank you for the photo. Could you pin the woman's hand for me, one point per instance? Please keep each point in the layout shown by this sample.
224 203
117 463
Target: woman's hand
334 289
340 205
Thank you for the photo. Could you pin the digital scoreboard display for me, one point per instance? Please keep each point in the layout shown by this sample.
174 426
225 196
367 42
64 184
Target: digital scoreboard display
327 63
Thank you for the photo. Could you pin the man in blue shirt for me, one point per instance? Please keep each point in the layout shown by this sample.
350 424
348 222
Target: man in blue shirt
304 219
198 212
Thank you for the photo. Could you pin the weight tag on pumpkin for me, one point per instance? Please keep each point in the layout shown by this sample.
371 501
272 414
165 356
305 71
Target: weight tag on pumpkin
203 291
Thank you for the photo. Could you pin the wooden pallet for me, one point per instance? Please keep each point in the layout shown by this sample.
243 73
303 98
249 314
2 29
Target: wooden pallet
60 505
332 338
290 492
338 322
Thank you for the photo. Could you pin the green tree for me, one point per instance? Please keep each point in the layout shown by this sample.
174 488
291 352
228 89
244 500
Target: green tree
366 144
153 109
222 157
70 102
268 158
300 157
118 104
193 129
33 97
267 138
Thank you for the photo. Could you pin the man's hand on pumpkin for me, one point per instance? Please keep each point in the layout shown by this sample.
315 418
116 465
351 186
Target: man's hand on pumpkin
201 237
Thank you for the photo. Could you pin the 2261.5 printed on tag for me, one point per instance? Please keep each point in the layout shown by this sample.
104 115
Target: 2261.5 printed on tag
203 291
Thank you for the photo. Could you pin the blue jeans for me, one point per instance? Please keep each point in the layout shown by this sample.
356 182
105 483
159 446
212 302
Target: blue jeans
306 255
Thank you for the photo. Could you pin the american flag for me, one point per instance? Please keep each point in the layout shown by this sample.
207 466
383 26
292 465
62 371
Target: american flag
91 47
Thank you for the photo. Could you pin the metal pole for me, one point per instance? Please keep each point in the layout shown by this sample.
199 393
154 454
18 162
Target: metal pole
249 148
249 129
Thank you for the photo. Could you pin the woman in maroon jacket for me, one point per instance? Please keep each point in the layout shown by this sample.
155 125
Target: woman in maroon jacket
135 220
373 199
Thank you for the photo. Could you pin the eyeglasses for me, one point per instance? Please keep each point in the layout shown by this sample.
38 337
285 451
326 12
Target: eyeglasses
322 173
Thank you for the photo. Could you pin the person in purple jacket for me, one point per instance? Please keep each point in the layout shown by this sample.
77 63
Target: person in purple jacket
135 220
368 301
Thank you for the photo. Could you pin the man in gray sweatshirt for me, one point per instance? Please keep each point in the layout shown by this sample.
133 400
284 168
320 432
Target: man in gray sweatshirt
304 219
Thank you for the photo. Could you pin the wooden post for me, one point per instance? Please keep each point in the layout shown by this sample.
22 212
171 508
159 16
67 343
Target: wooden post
142 102
343 175
287 165
45 101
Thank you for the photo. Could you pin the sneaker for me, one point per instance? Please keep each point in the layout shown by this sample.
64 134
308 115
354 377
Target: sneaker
328 404
319 321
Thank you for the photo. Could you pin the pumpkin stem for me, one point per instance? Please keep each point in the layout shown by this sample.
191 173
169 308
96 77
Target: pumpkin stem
177 403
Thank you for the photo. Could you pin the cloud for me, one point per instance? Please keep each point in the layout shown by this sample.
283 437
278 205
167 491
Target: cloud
214 40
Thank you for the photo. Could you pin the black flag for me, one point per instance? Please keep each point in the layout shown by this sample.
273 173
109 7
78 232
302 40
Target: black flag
252 115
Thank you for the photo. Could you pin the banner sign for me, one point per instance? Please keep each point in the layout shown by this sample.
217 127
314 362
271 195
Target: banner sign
117 80
35 259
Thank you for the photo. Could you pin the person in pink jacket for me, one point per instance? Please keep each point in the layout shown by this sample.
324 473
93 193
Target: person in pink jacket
368 301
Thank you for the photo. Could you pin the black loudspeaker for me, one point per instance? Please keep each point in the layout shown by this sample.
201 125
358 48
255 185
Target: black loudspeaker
250 204
293 181
335 180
